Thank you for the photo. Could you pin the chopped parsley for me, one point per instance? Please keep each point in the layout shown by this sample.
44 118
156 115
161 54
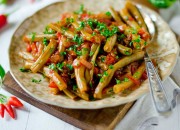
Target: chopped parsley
92 23
90 84
60 66
94 33
134 31
126 52
117 57
79 53
100 75
24 70
101 80
81 25
108 13
81 10
75 87
45 41
103 59
33 35
111 66
69 66
63 53
118 81
52 67
85 51
137 40
145 43
35 80
105 73
121 37
78 39
48 31
126 79
138 46
91 53
69 20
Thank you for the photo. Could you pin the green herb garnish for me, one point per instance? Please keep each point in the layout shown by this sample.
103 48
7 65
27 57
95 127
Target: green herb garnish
52 67
126 79
118 81
35 80
63 53
81 10
45 41
91 53
60 66
108 13
78 39
24 70
111 66
75 87
69 66
33 35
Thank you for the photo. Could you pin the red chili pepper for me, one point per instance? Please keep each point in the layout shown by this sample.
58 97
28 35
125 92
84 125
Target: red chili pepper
3 20
10 110
13 101
2 108
137 82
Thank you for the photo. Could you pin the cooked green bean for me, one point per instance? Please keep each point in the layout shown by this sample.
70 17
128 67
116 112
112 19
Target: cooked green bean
67 33
61 48
49 50
38 37
128 18
103 66
26 56
124 50
124 85
115 15
104 81
80 71
110 42
82 95
136 13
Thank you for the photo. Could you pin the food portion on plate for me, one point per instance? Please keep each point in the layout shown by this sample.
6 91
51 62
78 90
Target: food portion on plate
90 55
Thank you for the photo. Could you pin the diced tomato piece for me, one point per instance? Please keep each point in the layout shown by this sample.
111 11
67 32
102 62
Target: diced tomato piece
96 70
55 58
84 16
144 35
110 59
29 48
122 28
34 48
131 18
52 85
144 75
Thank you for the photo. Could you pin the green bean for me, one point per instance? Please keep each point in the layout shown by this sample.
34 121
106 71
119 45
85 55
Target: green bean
67 33
104 81
124 85
126 17
26 56
38 37
124 50
115 15
61 48
49 50
103 66
83 95
110 42
136 13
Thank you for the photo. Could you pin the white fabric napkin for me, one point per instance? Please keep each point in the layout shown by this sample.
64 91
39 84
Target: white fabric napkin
142 113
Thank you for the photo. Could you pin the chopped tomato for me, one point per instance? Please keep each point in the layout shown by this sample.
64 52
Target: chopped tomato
144 76
58 35
96 70
144 35
84 16
106 21
122 28
130 18
110 59
34 48
55 58
29 48
52 85
137 82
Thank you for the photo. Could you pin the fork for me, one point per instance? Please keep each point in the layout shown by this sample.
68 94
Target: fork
158 93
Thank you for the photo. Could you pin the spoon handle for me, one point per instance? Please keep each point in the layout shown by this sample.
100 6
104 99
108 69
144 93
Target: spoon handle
157 91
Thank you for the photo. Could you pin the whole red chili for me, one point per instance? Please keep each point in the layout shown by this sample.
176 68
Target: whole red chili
10 110
3 20
2 108
14 102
